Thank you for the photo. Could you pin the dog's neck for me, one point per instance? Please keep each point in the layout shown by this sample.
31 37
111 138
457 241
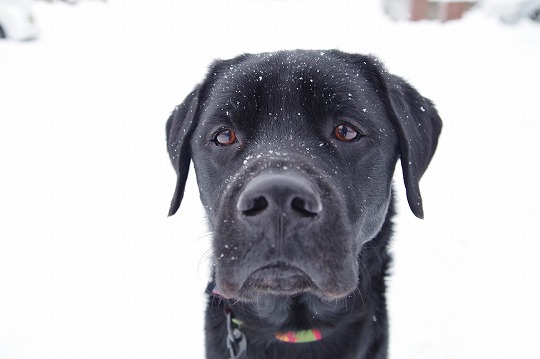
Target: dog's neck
299 319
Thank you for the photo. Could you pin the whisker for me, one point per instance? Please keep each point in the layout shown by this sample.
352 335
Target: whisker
208 234
259 309
206 257
371 246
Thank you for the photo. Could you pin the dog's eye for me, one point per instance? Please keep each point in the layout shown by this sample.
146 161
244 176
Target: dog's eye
346 132
225 137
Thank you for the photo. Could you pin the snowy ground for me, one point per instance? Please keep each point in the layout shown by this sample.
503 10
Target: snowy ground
91 267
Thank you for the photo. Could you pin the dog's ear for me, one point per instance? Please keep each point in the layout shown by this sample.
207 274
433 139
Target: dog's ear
182 123
418 126
179 129
414 117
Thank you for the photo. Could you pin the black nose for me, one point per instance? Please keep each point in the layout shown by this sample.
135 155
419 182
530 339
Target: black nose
284 193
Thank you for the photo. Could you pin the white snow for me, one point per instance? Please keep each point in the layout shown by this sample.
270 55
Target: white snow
91 267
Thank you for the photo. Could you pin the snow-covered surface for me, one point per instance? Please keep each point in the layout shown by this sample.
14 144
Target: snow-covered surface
91 267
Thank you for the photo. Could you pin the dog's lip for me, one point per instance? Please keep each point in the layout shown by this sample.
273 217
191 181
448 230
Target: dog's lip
279 278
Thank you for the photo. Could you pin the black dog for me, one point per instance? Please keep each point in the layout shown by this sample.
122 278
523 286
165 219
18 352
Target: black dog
294 153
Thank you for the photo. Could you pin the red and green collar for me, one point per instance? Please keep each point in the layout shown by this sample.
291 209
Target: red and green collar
293 336
298 336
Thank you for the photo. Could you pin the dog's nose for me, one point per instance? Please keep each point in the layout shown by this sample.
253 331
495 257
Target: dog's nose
288 194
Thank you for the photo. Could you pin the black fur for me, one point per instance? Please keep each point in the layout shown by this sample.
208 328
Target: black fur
301 220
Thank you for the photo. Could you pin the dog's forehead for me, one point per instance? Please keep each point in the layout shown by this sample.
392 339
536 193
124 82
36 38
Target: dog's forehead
279 70
286 84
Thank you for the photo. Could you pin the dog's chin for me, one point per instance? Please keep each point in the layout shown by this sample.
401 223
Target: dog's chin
277 280
281 280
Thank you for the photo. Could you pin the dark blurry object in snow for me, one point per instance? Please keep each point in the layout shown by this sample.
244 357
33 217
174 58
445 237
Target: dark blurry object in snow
415 10
72 2
17 21
513 13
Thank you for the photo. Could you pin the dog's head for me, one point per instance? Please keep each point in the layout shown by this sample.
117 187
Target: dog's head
294 154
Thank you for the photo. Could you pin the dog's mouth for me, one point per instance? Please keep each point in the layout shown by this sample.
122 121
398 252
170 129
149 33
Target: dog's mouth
279 278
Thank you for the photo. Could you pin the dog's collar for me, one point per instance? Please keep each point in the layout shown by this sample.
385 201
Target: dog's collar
295 336
236 339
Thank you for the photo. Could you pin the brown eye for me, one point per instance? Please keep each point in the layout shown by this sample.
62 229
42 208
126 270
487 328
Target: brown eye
347 133
225 137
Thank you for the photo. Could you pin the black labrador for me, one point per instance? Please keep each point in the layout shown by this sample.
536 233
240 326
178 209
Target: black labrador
294 153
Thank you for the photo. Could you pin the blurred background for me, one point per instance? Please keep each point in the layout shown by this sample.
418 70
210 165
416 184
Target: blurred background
90 265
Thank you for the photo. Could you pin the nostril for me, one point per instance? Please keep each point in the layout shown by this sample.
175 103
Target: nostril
256 206
304 208
268 195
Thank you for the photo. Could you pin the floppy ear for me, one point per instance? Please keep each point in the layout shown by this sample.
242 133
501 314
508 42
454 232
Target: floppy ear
180 126
414 117
418 126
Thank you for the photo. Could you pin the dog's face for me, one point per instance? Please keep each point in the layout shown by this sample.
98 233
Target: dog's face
294 154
